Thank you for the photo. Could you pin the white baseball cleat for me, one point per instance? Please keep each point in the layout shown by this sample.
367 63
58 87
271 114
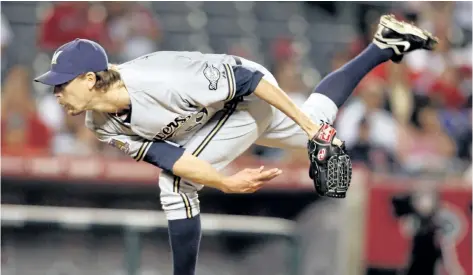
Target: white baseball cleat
402 37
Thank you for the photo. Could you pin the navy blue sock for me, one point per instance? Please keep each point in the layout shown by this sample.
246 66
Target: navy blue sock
184 236
339 84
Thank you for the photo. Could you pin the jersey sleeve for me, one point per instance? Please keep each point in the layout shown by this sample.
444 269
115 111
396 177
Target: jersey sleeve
133 146
246 80
161 154
206 82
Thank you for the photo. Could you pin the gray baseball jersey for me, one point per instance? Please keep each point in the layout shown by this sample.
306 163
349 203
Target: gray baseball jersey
176 96
173 94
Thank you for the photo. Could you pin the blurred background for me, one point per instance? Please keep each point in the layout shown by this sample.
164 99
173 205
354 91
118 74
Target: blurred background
407 127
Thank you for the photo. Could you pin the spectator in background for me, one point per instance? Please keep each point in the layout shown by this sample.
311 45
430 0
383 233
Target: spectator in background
428 148
397 80
434 62
430 231
67 21
465 85
369 130
55 117
453 49
74 139
360 152
133 29
23 133
369 104
375 158
445 91
457 124
401 101
287 72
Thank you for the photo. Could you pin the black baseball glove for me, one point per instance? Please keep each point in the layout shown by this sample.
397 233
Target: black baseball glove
330 167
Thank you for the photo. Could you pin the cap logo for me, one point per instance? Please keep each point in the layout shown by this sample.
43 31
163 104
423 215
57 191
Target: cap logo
55 57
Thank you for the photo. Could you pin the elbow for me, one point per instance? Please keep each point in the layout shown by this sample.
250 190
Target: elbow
180 165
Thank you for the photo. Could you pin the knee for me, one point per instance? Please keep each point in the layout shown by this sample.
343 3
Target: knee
179 200
320 108
180 205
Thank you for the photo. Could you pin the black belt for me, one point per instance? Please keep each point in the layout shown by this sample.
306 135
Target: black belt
237 60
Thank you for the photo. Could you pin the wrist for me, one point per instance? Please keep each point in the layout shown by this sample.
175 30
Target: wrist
311 129
312 132
223 184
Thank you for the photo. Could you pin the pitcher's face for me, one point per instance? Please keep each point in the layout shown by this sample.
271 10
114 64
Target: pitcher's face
75 94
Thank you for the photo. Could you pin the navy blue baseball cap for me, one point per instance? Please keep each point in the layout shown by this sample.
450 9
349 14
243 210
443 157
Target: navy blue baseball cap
73 59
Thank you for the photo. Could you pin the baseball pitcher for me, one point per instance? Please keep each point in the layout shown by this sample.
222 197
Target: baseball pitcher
191 114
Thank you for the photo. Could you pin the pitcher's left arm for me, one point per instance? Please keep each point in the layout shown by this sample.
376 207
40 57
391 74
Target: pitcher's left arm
279 99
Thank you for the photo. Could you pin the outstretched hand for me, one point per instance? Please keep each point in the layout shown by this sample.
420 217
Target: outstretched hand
249 180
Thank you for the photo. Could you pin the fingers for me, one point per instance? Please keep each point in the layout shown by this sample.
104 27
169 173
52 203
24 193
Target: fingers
262 178
255 179
268 175
254 171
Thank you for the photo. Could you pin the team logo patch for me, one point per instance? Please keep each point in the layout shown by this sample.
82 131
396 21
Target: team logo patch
122 146
213 75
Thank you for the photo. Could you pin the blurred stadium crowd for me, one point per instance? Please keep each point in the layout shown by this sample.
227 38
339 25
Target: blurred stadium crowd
412 118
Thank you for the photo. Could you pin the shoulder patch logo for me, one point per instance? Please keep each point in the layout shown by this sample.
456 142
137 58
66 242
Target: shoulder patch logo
122 146
213 75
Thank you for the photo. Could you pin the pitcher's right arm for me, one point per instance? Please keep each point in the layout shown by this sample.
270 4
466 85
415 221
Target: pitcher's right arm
175 160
